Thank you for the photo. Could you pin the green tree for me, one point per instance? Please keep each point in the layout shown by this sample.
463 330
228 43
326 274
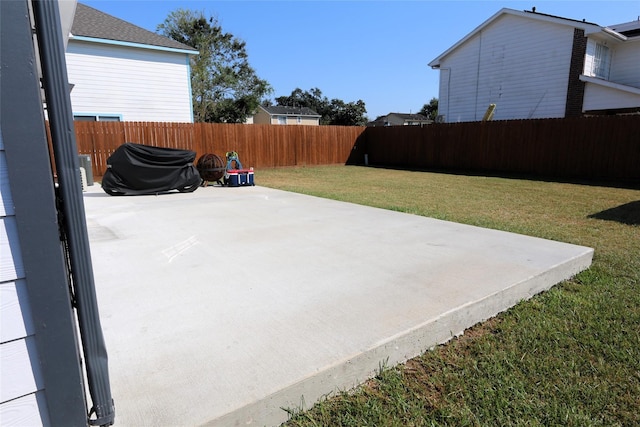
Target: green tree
225 87
334 112
430 110
348 114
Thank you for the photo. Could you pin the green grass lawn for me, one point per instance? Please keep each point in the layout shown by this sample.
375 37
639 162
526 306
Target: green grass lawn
567 357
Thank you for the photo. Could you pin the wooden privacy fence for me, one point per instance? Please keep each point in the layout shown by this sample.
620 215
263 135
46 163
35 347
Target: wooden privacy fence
603 148
258 146
597 148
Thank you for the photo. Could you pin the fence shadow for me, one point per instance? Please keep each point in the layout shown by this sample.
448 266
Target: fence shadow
629 214
628 184
358 151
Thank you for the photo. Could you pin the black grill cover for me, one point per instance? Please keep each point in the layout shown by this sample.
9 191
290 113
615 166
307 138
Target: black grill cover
135 169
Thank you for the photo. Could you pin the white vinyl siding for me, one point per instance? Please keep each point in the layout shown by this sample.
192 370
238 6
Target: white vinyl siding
462 65
30 410
608 97
312 121
133 83
519 64
20 378
262 116
443 91
625 63
612 75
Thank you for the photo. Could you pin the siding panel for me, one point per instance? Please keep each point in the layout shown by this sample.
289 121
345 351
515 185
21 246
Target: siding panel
531 79
463 77
625 68
518 64
29 411
598 97
48 357
20 369
15 315
138 84
11 266
6 201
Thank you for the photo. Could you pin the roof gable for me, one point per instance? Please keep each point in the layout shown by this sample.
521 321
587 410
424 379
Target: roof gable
589 27
92 23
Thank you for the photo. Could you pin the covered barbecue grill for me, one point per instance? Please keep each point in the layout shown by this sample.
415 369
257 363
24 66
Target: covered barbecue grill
136 169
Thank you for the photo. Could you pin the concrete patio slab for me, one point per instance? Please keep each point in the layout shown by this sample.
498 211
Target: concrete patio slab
226 305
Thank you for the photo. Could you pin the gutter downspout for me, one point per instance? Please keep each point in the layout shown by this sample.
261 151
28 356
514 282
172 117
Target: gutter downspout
448 69
54 76
475 108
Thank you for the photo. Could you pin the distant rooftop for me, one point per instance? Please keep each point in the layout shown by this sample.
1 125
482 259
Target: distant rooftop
409 116
90 22
628 29
395 119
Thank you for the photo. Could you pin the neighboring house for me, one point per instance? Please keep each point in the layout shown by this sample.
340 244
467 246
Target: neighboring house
121 72
278 115
612 72
533 65
400 119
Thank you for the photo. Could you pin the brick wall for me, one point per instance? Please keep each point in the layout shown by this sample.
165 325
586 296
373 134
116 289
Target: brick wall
575 90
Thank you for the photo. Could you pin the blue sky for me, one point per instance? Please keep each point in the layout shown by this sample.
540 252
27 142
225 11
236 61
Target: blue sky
376 51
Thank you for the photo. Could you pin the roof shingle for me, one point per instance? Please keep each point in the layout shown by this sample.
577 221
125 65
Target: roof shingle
90 22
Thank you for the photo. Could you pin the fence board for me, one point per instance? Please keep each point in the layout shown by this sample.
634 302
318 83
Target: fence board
259 146
605 147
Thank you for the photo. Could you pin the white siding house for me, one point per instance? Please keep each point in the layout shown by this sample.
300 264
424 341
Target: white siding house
612 70
121 72
530 66
282 115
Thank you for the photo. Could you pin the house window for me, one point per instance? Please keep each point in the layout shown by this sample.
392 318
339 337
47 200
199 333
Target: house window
601 61
282 120
108 118
299 120
95 118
